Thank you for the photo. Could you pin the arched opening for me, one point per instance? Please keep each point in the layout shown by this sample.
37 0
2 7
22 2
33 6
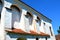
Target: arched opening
16 8
1 5
0 2
38 23
38 20
16 14
21 39
28 21
29 18
51 31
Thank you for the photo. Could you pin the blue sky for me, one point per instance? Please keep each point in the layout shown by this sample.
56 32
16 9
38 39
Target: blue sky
49 8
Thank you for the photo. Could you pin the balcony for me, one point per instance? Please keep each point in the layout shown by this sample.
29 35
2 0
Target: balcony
19 31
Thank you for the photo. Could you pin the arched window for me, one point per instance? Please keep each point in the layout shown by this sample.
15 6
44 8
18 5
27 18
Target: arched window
15 8
44 24
28 20
51 31
1 5
16 14
0 2
38 23
29 17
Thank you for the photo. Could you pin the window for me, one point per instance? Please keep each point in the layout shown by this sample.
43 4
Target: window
44 24
38 23
51 31
0 2
16 14
15 8
1 6
28 20
29 17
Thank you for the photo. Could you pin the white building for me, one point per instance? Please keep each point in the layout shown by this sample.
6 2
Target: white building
20 21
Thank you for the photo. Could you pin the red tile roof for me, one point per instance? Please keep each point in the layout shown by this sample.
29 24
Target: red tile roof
16 31
23 32
57 37
33 32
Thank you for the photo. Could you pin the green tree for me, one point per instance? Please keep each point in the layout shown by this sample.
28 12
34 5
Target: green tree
58 30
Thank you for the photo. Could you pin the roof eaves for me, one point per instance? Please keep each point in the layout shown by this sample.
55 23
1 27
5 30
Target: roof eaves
35 10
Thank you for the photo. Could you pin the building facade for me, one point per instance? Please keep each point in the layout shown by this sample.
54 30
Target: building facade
18 21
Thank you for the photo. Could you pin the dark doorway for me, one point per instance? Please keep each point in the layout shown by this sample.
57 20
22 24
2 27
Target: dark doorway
37 38
46 38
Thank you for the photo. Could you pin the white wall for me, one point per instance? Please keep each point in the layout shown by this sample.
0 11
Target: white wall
9 38
21 24
2 30
31 39
42 39
8 19
2 26
46 29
